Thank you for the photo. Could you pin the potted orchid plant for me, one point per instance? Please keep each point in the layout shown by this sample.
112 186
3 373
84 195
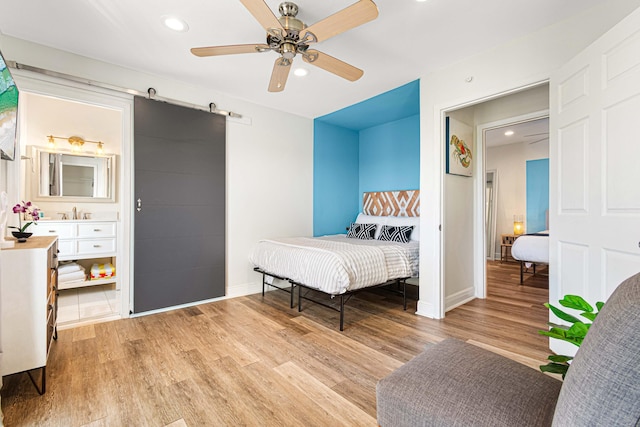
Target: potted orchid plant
25 209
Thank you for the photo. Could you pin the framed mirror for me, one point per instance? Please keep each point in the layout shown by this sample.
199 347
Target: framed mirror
72 177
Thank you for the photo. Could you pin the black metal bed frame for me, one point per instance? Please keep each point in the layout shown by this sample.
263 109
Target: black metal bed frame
348 294
522 268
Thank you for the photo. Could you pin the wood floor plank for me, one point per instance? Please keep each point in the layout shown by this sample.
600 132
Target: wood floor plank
253 360
325 397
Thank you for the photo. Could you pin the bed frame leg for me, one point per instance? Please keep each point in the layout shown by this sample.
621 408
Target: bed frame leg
263 284
521 272
534 269
293 288
299 299
404 294
341 312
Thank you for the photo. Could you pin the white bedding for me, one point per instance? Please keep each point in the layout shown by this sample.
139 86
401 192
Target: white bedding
532 248
336 264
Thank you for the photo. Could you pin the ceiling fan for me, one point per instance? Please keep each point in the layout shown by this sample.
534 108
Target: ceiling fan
289 36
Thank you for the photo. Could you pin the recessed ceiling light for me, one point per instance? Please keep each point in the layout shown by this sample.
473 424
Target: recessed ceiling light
174 23
300 72
420 1
508 133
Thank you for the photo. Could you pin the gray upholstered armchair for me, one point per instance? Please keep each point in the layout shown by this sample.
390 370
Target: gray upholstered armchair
457 384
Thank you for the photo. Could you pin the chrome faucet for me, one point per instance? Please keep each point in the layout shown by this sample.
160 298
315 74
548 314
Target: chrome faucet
75 213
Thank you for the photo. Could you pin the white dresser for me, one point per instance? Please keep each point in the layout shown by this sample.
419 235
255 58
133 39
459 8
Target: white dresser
83 240
29 305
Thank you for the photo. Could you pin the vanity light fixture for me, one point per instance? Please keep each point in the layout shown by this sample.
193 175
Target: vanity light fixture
76 143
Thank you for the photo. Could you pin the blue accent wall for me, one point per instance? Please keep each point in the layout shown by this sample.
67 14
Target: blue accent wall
537 194
370 146
335 178
390 157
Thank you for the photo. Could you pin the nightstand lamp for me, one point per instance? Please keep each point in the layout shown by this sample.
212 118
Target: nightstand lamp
518 225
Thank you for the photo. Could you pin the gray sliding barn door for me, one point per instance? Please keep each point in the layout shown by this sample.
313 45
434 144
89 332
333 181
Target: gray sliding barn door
180 205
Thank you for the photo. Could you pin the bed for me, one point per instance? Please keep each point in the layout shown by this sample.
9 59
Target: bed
380 248
531 250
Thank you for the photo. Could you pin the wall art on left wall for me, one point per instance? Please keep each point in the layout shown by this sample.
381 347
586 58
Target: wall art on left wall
459 141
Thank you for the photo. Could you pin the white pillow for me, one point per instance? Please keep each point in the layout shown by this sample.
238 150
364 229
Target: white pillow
372 219
406 220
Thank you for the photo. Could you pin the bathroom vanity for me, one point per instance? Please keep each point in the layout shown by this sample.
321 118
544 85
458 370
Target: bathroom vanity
87 241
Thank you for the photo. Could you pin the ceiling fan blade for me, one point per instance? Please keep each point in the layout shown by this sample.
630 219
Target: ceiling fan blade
332 65
262 13
228 50
350 17
279 75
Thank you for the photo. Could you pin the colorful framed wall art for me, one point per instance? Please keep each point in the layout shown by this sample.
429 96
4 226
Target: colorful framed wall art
459 149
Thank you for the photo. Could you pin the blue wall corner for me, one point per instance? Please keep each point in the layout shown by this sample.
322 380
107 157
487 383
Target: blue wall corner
370 146
537 194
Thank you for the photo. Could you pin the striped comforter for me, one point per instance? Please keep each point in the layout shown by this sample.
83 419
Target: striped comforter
336 264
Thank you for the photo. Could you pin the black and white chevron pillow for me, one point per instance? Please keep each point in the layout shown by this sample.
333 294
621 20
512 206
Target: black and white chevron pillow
392 233
362 231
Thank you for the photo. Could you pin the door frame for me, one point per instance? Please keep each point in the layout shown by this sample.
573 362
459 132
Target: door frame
494 206
480 255
57 87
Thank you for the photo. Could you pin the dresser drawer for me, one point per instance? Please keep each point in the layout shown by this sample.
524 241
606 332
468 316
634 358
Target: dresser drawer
62 230
106 229
96 246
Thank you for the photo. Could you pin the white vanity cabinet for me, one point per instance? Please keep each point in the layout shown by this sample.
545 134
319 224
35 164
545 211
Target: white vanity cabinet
83 240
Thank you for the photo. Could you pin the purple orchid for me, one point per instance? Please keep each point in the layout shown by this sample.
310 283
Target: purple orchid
28 208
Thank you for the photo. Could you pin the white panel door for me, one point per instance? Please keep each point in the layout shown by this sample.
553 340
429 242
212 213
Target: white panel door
595 167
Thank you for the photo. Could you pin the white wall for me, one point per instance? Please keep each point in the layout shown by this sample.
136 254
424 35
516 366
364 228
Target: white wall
269 172
457 227
517 64
510 163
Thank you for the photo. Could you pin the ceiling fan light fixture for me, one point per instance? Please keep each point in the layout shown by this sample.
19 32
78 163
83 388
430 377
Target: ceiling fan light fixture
174 23
288 36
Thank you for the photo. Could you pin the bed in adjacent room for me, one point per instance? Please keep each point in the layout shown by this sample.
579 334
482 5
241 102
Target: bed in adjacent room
531 250
380 248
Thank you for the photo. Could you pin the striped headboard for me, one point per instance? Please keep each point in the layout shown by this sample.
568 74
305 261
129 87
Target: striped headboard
392 203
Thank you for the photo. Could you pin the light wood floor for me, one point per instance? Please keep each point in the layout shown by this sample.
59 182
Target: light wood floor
253 361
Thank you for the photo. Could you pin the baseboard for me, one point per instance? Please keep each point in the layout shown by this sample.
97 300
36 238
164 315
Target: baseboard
244 289
426 309
459 298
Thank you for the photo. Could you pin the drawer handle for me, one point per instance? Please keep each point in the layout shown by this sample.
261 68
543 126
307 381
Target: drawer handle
52 231
97 246
97 229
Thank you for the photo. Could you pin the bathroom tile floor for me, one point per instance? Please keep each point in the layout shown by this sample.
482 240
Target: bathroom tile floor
78 305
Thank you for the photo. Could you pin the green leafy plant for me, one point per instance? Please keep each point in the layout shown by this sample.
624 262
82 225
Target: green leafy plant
574 334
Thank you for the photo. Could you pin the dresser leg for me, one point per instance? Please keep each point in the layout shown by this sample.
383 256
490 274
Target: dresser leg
43 381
